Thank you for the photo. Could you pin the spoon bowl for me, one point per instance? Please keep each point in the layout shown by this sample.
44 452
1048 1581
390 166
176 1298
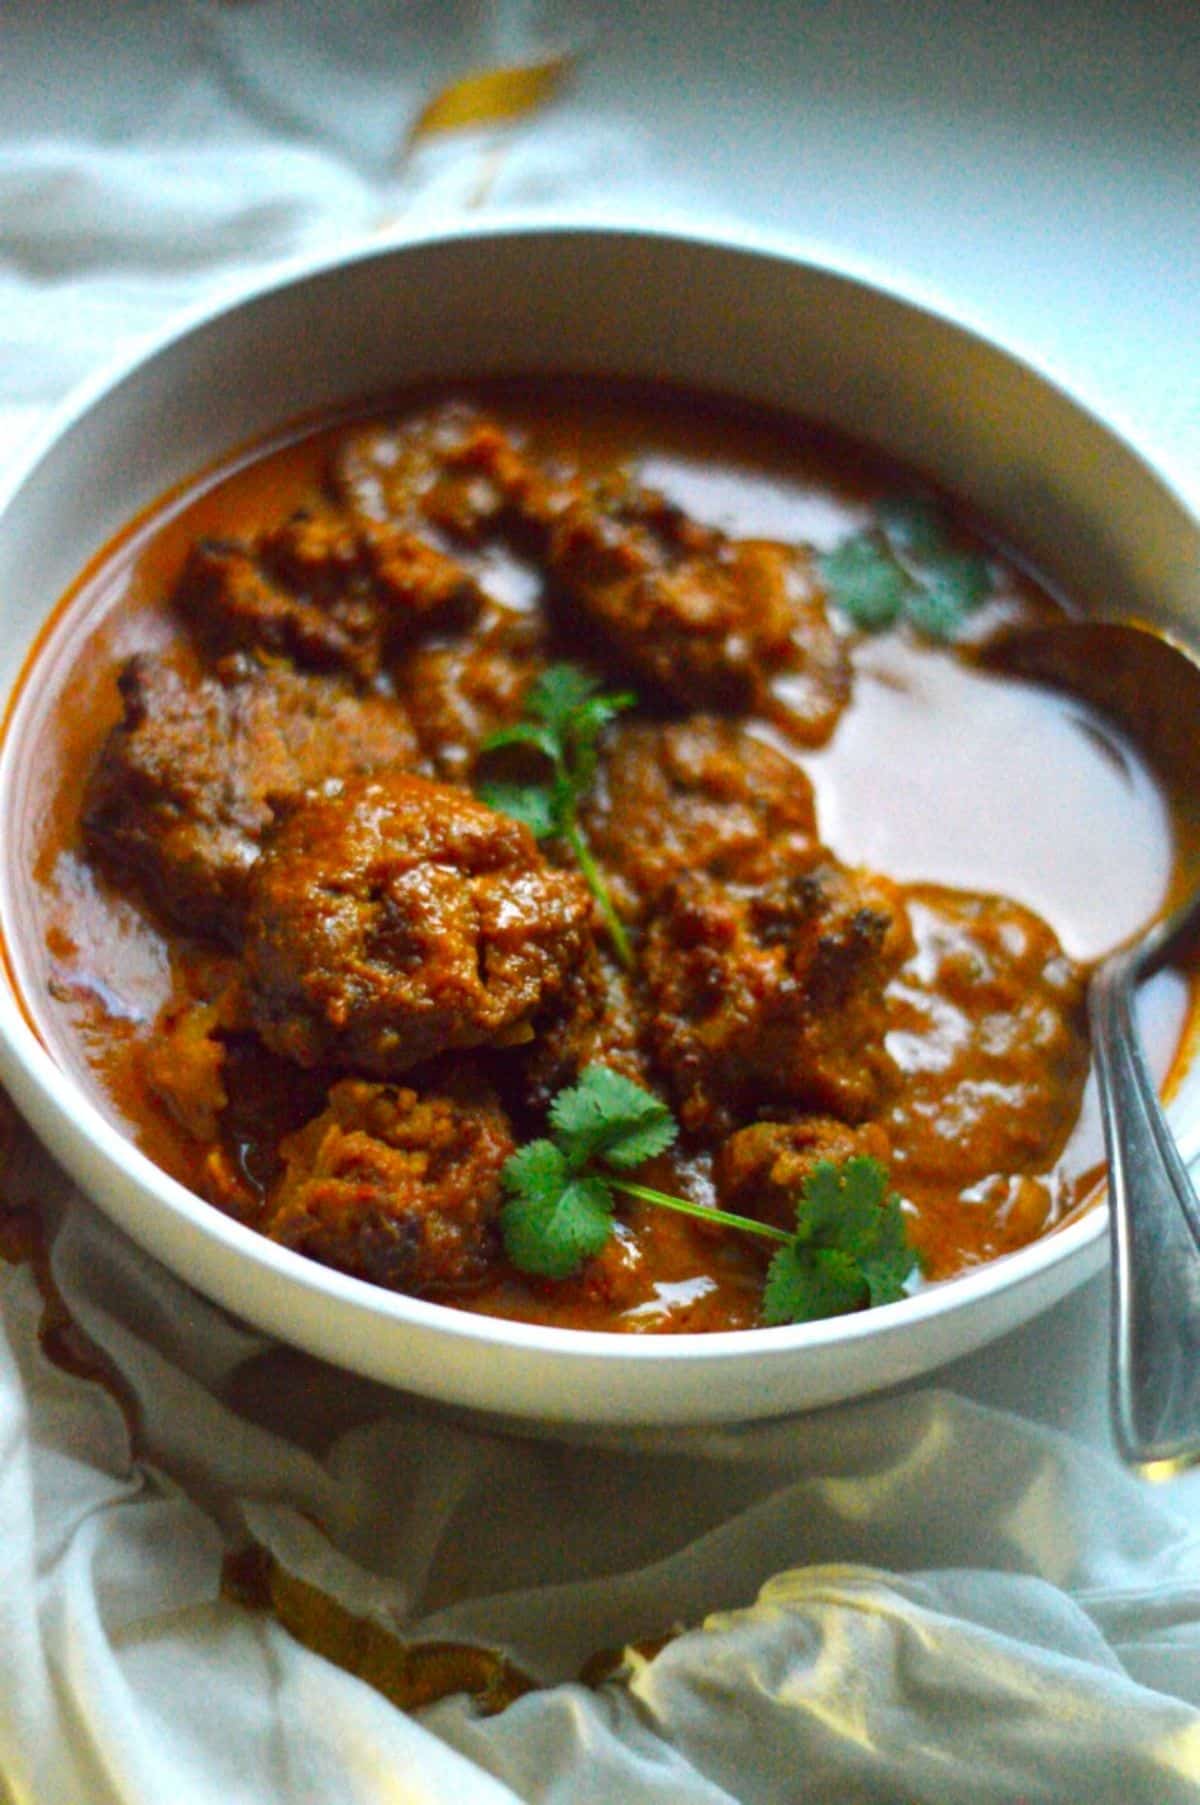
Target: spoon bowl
1150 686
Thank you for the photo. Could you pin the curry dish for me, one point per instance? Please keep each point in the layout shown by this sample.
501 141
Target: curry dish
331 984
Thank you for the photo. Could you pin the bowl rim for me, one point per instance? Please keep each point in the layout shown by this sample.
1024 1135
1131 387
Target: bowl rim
720 232
31 1071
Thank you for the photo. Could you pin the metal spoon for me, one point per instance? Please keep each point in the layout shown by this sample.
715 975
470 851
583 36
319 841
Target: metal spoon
1151 688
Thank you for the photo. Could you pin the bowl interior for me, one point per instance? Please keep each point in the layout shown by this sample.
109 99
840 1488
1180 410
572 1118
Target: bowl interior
743 321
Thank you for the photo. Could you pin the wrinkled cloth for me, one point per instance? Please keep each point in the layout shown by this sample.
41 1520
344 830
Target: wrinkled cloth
1008 1614
916 1597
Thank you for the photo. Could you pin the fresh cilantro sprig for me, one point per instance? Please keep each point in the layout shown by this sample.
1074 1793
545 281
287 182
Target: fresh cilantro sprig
559 1212
566 712
905 567
848 1249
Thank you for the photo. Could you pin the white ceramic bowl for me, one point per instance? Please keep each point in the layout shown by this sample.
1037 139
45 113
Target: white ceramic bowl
742 319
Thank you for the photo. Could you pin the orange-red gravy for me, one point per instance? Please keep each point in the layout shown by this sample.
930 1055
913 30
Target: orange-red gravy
936 774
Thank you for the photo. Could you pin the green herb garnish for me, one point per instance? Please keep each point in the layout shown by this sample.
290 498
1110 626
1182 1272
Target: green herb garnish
560 1208
906 568
566 714
848 1249
866 581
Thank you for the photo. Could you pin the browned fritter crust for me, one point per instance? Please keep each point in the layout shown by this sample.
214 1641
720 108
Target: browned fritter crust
397 1185
454 471
774 997
397 918
706 620
461 690
702 796
324 593
188 782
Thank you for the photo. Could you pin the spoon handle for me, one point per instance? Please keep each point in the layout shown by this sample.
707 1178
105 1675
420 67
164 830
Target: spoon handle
1155 1218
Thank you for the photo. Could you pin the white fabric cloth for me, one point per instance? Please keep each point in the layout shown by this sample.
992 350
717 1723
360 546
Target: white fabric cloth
914 1598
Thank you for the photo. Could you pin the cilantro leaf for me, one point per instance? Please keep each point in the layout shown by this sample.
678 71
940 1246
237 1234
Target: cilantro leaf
807 1284
558 693
526 802
819 1206
537 1171
584 729
907 568
566 714
843 1203
849 1250
588 719
913 524
865 581
554 1220
935 612
525 733
891 1263
963 577
559 1212
608 1117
